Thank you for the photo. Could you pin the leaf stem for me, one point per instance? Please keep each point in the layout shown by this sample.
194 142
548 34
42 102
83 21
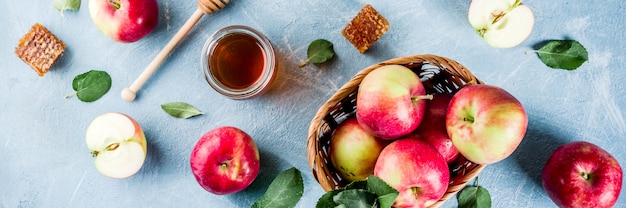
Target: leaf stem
304 63
476 181
71 94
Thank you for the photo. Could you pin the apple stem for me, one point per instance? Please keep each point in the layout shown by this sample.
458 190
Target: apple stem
115 3
471 120
422 97
585 176
416 191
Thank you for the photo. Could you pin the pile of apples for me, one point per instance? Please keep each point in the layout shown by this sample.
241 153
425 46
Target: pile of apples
408 138
411 140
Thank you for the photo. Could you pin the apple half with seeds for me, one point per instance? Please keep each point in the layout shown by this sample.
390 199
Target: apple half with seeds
117 143
502 23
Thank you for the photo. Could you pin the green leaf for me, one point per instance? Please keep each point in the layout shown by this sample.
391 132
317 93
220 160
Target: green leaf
356 198
562 54
319 51
386 194
474 197
378 186
356 185
380 195
181 110
386 201
63 5
91 86
285 191
327 199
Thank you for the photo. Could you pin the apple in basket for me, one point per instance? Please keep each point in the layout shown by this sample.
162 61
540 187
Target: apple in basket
353 150
391 101
581 174
502 23
415 169
433 130
124 20
486 123
117 143
225 160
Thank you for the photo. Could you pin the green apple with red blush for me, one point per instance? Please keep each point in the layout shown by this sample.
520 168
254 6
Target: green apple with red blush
501 23
353 151
414 168
391 101
117 143
486 123
225 160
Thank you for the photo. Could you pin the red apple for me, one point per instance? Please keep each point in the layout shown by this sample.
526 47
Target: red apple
225 160
486 123
433 130
353 150
581 174
415 169
390 101
124 20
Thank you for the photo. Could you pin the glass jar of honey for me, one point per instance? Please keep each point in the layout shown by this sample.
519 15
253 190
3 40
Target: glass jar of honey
238 62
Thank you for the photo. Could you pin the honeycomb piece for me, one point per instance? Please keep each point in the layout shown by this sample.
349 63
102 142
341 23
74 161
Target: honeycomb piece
40 49
366 28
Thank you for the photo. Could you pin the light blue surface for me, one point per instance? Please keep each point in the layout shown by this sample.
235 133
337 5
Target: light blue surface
44 161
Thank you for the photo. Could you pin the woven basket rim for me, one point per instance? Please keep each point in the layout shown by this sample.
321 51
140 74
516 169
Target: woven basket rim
319 169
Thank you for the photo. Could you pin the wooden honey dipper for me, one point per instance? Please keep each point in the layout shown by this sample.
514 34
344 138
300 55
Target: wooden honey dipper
204 7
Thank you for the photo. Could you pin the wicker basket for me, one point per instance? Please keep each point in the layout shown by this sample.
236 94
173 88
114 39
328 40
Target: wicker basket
438 74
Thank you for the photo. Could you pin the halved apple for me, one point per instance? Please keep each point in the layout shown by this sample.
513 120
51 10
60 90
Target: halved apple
502 23
117 143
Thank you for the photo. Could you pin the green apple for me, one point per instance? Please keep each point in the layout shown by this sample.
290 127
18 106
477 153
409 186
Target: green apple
486 123
502 23
353 150
117 143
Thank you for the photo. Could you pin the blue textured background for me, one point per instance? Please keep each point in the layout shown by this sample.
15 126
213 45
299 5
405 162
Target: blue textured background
44 161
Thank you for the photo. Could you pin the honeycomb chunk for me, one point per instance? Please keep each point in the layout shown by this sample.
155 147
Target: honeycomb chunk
365 28
40 49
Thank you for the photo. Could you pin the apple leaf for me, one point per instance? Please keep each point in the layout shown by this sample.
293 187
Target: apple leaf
181 110
327 199
372 192
356 198
285 191
63 5
319 51
474 197
386 194
562 54
91 86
